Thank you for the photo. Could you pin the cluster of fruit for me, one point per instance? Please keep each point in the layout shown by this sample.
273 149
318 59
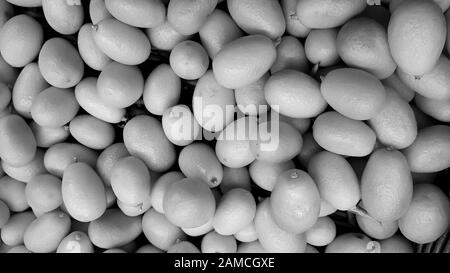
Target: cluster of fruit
223 126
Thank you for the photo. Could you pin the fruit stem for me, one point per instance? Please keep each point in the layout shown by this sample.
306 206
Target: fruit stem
361 212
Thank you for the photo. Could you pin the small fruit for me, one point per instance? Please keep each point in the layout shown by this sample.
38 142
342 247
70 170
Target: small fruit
295 201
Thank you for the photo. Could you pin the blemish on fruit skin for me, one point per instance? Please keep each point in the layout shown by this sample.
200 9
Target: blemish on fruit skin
294 175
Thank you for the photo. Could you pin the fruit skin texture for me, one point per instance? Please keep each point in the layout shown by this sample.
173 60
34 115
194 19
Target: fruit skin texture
210 97
28 85
354 93
159 231
386 185
328 13
60 63
98 11
244 61
45 233
284 144
344 136
54 107
322 233
428 216
83 192
137 13
17 143
89 51
122 43
87 96
375 229
335 179
396 244
258 17
144 138
43 192
21 38
363 43
433 85
295 201
293 25
131 181
120 85
12 233
59 156
199 161
296 94
26 172
164 36
114 229
321 48
265 174
395 124
188 16
272 238
416 36
218 30
430 152
353 243
161 90
12 193
92 132
189 60
63 17
438 109
234 212
189 203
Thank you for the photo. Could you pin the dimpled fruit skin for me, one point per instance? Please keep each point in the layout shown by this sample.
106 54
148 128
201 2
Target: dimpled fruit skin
416 36
144 138
244 61
386 185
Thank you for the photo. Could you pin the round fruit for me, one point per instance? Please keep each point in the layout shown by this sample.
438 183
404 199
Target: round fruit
295 201
294 94
83 192
189 60
335 179
235 211
144 138
60 63
138 13
45 233
63 16
353 93
121 42
199 161
341 135
54 107
428 217
244 61
258 17
416 36
159 231
17 142
386 185
363 43
131 181
189 203
328 14
272 237
430 152
21 39
161 90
